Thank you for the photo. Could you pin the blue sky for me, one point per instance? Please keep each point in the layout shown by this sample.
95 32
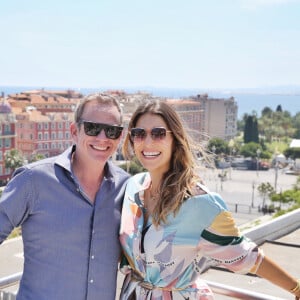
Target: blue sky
158 43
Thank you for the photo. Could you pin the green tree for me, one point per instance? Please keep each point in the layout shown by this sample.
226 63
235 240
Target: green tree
250 150
13 159
266 111
265 190
293 153
296 125
251 130
36 157
291 197
218 146
275 125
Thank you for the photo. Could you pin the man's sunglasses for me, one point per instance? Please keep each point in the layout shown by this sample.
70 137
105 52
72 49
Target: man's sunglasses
156 133
112 132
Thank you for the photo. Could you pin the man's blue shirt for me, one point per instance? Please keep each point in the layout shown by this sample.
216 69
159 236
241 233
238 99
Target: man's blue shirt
71 246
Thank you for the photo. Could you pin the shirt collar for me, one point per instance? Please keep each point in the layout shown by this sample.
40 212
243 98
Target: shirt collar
64 161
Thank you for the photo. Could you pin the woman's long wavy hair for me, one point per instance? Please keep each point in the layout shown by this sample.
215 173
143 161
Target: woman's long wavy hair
179 180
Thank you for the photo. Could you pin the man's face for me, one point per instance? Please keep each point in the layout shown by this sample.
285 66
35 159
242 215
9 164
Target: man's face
97 148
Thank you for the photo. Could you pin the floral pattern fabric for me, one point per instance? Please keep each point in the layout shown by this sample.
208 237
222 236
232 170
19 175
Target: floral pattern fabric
166 262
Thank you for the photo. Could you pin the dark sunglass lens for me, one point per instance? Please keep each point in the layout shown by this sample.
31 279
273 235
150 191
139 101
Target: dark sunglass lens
91 128
138 133
158 133
113 132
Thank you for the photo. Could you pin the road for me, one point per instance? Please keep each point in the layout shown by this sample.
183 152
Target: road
241 186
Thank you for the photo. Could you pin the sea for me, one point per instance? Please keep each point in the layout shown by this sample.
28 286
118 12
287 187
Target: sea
248 102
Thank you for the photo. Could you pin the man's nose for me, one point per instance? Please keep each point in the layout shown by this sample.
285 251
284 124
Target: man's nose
102 134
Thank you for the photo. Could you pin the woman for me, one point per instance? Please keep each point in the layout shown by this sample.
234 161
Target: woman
171 224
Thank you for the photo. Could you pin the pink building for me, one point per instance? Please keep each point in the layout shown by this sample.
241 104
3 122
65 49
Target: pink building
45 134
7 137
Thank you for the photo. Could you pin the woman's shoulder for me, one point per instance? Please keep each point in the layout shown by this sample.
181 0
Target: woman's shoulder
199 189
202 194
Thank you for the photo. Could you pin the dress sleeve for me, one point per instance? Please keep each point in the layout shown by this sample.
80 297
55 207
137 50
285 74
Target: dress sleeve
223 243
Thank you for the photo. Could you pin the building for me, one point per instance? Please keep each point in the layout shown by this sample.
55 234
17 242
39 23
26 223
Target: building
42 118
219 117
7 137
44 134
46 101
192 114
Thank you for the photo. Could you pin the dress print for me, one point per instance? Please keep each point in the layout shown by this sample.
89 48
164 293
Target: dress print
166 262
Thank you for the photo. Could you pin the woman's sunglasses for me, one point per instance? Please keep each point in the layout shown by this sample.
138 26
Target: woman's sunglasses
112 132
156 133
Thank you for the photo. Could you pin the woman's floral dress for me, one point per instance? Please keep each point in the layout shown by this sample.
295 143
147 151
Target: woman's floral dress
166 262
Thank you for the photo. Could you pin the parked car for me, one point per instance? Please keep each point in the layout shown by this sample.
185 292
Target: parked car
250 164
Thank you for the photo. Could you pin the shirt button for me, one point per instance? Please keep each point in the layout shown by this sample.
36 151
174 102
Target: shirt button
93 256
92 280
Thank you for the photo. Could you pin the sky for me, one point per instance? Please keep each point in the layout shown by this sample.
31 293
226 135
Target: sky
203 44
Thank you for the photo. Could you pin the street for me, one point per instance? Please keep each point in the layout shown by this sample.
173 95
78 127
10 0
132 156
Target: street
240 186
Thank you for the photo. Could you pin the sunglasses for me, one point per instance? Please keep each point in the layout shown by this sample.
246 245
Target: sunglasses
112 132
156 133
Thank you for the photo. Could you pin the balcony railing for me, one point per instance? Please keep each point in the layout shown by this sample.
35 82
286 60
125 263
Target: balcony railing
217 288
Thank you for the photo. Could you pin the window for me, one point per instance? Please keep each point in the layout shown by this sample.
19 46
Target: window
6 128
7 143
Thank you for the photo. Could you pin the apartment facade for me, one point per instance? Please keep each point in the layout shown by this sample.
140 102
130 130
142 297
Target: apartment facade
45 134
219 116
37 122
46 101
192 114
7 137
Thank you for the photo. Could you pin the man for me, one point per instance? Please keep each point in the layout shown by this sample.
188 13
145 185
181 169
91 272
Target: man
69 209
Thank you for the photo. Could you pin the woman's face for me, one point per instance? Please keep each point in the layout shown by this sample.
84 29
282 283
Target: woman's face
153 153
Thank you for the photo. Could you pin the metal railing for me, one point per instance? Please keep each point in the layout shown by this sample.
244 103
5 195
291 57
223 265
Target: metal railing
6 282
217 288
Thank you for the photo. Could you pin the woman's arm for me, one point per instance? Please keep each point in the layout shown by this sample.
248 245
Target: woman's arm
269 270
